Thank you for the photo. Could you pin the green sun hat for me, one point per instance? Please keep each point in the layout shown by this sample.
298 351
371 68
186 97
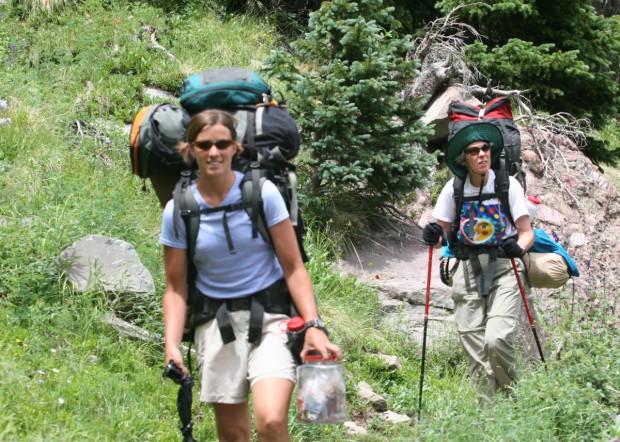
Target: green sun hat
480 131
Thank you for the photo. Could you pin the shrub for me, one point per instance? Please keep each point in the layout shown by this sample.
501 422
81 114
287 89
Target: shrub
344 79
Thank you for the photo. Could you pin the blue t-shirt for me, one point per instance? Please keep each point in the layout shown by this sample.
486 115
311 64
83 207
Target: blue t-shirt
221 274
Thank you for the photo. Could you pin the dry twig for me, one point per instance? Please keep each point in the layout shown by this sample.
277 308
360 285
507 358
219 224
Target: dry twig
440 51
547 132
152 31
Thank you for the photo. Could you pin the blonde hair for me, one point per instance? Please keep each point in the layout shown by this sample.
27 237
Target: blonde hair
209 117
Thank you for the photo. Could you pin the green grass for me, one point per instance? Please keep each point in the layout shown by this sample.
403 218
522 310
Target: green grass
72 80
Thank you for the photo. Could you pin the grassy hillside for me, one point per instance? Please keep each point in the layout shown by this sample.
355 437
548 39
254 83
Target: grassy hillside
69 84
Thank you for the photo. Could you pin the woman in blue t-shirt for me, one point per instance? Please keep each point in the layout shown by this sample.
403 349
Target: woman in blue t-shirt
231 368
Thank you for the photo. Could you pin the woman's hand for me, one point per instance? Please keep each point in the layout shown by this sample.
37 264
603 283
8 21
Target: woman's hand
175 303
316 339
174 355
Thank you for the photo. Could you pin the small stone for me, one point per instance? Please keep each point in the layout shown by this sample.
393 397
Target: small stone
392 361
366 392
355 430
395 418
577 239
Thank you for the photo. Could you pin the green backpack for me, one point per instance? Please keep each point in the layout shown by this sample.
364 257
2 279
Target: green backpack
154 134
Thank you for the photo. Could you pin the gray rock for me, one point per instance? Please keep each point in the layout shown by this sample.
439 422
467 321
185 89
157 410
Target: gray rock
437 113
97 262
550 216
395 418
158 94
354 429
577 239
366 392
392 361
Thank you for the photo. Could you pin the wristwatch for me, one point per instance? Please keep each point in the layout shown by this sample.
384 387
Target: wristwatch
318 323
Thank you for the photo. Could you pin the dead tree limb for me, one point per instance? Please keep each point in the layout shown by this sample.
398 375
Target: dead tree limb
547 133
440 53
479 91
152 31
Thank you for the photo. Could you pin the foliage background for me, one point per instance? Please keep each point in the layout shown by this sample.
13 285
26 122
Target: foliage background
71 79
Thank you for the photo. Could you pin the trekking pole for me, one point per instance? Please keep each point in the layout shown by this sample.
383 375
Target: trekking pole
527 310
426 305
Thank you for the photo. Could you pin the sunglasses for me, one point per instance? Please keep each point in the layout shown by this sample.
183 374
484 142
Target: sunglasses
476 150
207 144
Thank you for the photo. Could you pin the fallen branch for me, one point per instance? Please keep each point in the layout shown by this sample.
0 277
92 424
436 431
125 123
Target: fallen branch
152 31
130 330
125 328
78 125
480 91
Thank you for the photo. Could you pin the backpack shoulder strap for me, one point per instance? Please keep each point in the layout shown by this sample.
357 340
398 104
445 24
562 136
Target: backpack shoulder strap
251 191
458 187
186 206
184 203
502 189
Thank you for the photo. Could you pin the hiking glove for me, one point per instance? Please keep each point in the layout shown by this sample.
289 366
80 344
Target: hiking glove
510 249
431 234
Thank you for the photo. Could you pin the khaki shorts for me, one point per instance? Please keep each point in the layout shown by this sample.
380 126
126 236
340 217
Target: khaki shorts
228 371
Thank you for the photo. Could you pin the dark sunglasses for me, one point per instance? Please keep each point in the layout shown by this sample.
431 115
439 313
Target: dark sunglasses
476 150
207 144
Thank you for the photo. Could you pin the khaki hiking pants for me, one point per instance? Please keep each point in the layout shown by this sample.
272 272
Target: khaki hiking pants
488 326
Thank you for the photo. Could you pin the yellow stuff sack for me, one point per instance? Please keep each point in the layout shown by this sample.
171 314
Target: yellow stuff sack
546 270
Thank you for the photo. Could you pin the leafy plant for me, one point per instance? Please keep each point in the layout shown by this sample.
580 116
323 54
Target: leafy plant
555 51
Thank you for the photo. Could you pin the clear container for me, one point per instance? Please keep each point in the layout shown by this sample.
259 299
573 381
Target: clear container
532 203
321 394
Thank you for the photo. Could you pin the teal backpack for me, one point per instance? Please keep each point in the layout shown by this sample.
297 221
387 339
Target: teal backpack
224 88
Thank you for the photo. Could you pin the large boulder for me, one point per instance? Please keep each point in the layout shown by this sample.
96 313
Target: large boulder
436 115
101 263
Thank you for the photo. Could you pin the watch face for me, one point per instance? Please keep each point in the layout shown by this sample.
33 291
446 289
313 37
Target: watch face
318 322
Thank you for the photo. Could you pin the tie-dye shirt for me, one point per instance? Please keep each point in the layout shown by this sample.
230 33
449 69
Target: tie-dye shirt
483 223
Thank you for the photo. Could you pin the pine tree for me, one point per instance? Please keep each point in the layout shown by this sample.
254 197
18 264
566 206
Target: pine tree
343 81
562 52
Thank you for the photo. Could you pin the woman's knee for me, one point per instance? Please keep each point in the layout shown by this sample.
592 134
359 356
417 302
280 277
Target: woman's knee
499 342
234 432
233 422
272 427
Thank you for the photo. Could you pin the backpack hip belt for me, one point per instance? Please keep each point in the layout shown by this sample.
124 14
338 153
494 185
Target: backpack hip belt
273 299
483 277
